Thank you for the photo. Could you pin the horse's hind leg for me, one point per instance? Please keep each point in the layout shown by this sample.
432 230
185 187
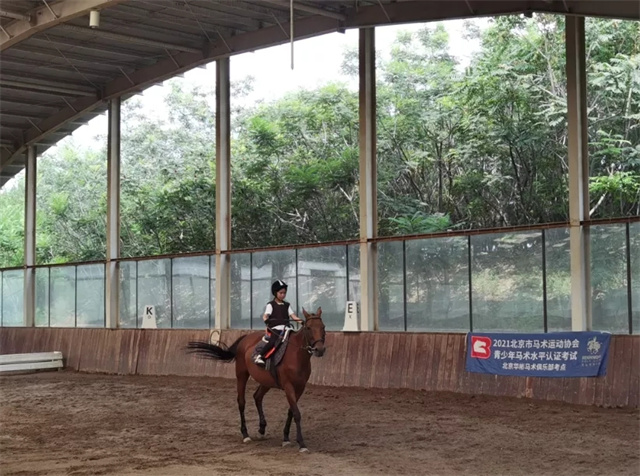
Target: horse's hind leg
259 394
242 378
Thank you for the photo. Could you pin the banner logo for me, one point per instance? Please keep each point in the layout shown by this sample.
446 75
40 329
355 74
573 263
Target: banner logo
480 347
593 346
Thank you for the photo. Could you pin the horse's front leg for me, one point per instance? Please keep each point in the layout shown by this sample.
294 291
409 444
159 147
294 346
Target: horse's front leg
292 398
242 386
287 428
258 395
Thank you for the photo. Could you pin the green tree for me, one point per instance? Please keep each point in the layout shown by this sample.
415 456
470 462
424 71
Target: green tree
295 170
71 205
12 224
168 175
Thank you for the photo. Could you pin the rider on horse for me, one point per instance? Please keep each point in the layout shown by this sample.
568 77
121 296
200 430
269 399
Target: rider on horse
276 316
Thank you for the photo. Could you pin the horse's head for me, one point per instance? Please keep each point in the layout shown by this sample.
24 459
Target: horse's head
314 333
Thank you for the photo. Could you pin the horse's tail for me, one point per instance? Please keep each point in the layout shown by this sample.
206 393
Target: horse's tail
215 352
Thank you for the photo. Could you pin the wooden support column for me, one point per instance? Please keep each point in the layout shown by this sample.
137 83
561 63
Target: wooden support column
223 194
30 238
368 185
112 308
578 174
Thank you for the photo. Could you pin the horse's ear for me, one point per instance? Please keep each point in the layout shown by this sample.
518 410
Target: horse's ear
319 312
305 313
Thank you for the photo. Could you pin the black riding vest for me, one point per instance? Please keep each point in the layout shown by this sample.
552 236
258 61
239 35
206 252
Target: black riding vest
279 314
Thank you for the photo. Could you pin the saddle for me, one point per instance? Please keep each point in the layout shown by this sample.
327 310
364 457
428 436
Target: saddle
274 357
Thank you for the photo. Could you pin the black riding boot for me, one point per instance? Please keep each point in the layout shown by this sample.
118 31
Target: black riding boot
273 338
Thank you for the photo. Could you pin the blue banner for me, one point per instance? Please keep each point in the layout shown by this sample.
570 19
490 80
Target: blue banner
559 354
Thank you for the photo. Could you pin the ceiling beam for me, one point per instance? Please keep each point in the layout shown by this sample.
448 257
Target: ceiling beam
616 9
23 102
307 8
44 81
128 39
11 126
51 41
14 16
42 19
47 86
209 19
19 114
166 21
59 67
256 17
78 57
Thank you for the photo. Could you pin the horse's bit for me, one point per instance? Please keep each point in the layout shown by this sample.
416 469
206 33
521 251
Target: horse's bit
310 347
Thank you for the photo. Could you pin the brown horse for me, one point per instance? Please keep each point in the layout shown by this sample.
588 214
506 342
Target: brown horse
293 372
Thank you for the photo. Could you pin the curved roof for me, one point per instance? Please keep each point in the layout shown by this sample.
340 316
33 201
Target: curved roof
56 73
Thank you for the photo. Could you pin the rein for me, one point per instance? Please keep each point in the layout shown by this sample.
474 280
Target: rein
309 346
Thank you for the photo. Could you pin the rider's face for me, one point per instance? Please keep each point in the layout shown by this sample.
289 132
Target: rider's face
280 295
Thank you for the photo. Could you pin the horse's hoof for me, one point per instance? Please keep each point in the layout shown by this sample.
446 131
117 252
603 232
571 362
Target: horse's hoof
286 443
246 440
261 437
304 450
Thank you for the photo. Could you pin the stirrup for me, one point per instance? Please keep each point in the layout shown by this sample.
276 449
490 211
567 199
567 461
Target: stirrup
259 361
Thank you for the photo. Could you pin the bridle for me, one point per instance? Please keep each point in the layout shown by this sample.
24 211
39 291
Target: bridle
310 347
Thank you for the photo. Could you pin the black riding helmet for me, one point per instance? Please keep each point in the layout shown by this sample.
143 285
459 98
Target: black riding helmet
277 286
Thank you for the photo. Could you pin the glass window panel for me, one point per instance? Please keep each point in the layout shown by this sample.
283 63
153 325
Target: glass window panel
212 290
634 248
42 297
322 282
507 282
438 284
191 292
154 289
12 297
354 273
390 287
90 285
128 295
267 266
558 260
62 296
240 291
609 279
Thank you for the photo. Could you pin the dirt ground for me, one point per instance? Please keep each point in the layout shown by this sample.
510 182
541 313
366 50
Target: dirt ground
78 424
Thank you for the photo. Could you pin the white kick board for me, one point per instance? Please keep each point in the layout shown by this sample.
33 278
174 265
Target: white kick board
32 361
